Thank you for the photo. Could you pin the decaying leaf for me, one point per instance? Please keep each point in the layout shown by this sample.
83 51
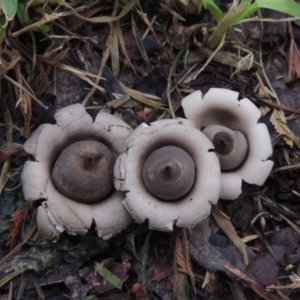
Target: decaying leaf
287 237
253 284
278 120
6 66
293 57
264 110
226 225
138 291
5 153
210 256
264 269
142 97
241 212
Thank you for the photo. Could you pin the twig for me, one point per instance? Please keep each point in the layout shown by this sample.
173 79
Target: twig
279 106
255 286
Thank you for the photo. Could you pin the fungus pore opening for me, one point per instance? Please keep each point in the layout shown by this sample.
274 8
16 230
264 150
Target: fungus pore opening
84 171
223 143
169 173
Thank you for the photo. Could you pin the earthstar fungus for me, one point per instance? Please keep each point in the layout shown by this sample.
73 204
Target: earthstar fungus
238 130
170 173
73 171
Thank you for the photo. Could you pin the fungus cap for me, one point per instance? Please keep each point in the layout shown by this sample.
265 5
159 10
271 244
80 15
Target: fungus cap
195 203
169 173
231 146
60 212
222 107
84 171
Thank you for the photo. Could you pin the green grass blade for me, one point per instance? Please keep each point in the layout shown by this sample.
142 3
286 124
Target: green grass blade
198 4
90 297
108 275
289 7
214 9
143 257
247 12
21 13
22 286
9 277
9 8
211 6
227 21
182 287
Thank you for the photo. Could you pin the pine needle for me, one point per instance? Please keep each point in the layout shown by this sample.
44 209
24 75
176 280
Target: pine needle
16 225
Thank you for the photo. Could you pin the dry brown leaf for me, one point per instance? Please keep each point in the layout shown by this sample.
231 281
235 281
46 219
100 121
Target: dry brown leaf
122 44
25 105
75 24
278 120
118 102
4 68
5 153
284 287
293 225
227 227
105 56
108 19
137 290
294 61
82 75
295 278
115 53
264 110
142 97
293 57
45 20
54 16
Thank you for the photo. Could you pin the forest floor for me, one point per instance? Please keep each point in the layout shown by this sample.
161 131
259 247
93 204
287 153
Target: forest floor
137 61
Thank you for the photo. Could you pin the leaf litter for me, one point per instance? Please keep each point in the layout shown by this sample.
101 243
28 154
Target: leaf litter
137 60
